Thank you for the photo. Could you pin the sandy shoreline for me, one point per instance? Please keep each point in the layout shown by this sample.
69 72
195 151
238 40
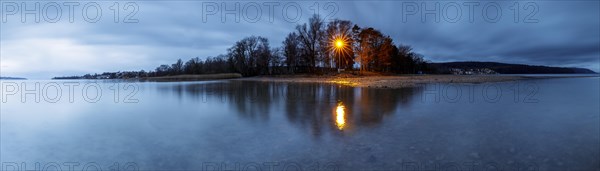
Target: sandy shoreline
398 81
372 81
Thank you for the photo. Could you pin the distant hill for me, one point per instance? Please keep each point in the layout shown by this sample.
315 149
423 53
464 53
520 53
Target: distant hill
504 68
12 78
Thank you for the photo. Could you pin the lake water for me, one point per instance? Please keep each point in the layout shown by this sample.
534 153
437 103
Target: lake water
544 124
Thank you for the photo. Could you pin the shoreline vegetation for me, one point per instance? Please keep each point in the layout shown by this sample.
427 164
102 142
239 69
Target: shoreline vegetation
201 77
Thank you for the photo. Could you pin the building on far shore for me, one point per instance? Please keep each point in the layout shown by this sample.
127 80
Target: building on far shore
476 71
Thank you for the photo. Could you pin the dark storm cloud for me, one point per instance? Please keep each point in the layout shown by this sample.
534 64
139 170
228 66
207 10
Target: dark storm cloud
557 53
566 34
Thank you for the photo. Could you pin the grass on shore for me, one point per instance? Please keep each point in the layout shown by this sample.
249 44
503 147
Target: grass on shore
200 77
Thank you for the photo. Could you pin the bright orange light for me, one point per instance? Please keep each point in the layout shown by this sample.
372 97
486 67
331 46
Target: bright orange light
339 43
340 116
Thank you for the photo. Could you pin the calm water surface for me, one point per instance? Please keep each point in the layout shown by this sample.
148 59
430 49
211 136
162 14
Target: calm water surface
548 124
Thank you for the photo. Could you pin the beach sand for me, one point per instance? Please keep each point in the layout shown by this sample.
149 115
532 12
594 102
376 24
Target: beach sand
399 81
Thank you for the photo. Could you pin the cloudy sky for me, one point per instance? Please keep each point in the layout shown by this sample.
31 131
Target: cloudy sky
75 40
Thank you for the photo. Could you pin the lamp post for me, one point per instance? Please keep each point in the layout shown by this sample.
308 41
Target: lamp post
339 45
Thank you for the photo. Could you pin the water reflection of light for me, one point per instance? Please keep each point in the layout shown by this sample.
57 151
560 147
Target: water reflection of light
340 116
344 82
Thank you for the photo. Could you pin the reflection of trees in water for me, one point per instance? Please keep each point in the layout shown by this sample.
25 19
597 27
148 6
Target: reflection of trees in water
311 106
251 100
375 104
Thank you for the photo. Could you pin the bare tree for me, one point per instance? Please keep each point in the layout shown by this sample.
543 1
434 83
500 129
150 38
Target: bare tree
193 66
250 56
310 38
177 67
291 51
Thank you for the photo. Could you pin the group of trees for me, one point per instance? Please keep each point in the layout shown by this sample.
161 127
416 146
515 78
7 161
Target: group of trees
210 65
340 44
314 47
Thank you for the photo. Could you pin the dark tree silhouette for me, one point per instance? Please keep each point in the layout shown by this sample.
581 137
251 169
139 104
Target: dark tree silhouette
250 56
291 52
311 37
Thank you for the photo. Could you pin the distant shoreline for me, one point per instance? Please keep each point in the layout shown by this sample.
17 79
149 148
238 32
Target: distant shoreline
12 78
